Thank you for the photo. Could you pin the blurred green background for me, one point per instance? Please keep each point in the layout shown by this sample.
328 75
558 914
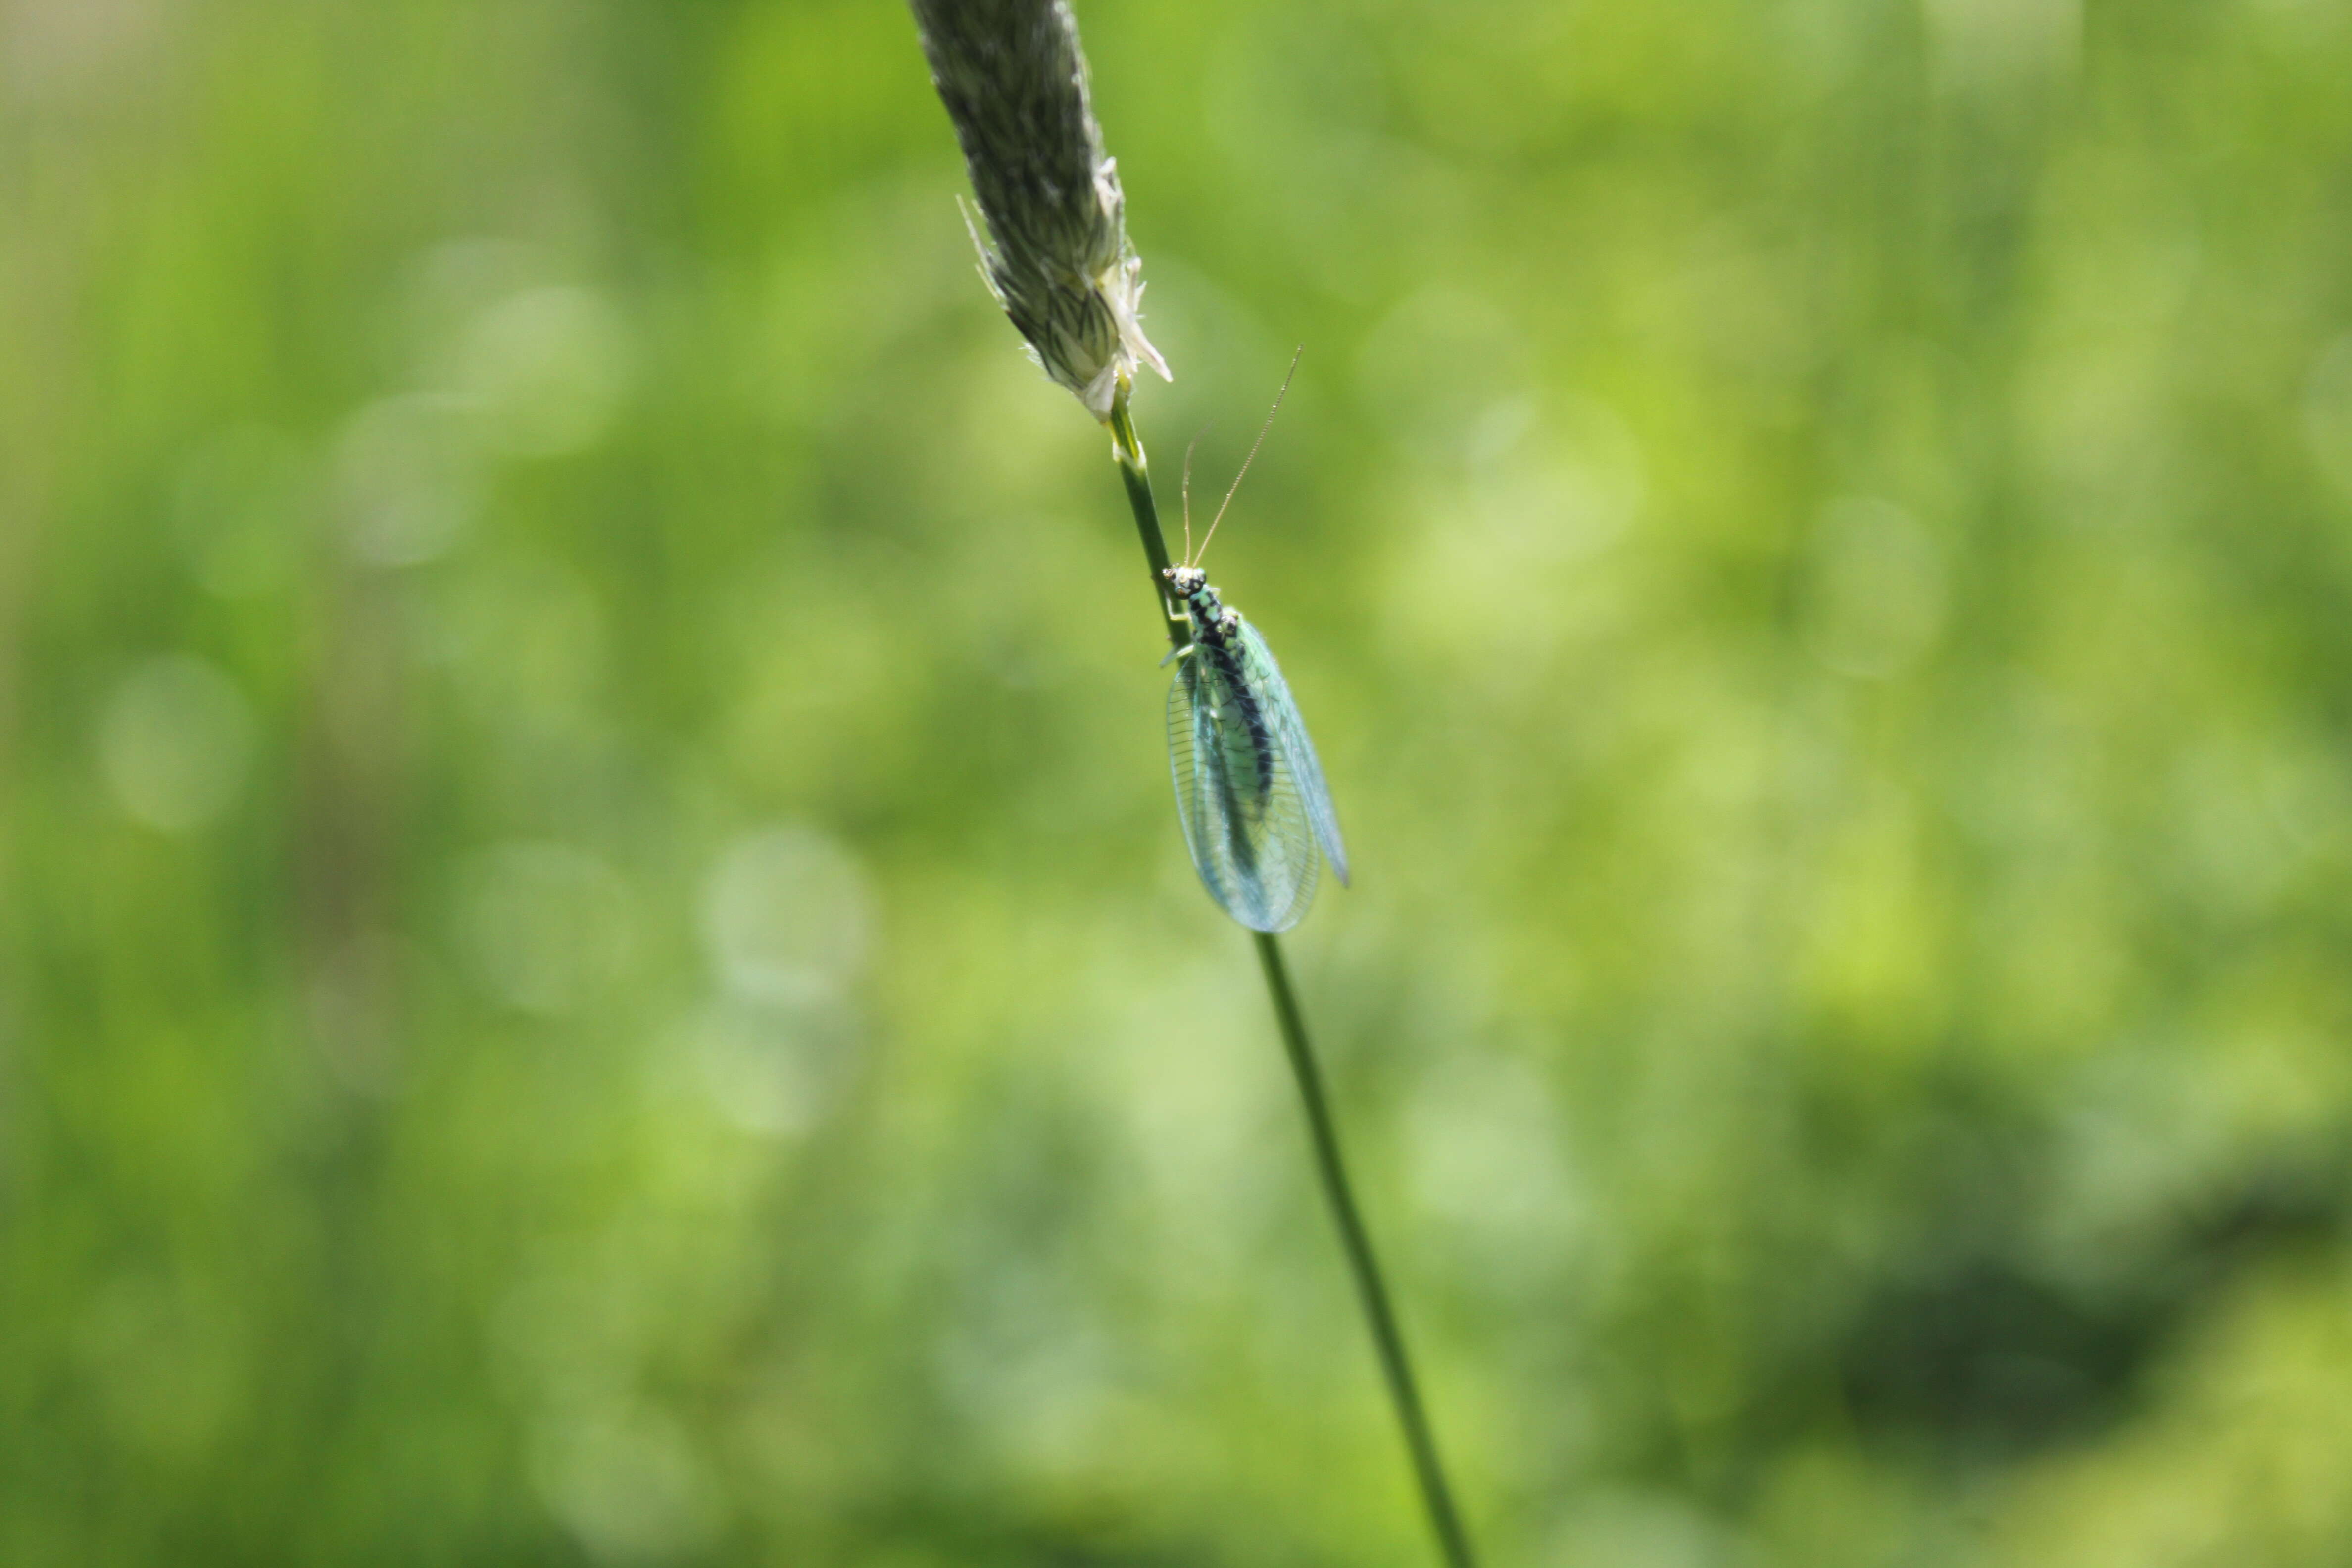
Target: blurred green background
595 965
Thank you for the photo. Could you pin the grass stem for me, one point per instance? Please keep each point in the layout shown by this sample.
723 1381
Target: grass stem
1371 1290
1127 447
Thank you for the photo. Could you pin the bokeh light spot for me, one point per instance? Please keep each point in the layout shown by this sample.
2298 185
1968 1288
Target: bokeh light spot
626 1482
408 478
545 369
175 740
786 917
544 925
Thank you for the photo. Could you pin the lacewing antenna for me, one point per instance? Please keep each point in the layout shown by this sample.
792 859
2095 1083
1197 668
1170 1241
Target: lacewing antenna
1189 447
1246 464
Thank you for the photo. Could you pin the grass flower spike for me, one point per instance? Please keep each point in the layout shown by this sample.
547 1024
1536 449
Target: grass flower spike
1015 83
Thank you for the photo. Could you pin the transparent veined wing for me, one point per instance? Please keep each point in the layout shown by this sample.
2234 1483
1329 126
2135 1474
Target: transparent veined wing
1290 734
1237 794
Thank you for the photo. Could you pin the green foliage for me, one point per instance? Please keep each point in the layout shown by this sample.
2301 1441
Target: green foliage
594 961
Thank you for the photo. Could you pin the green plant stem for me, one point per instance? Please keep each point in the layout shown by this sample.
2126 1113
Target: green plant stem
1128 447
1371 1290
1395 1364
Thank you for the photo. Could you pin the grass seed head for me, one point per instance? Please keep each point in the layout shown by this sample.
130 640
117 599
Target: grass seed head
1014 83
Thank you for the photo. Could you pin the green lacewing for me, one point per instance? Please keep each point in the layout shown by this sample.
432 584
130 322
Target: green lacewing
1249 794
